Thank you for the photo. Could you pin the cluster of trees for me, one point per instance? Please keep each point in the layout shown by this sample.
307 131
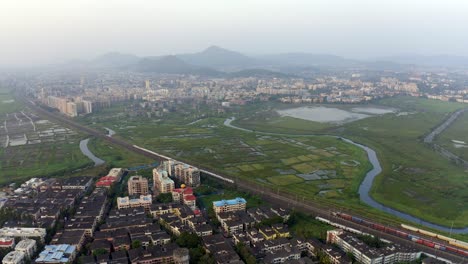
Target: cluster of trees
323 258
270 221
164 198
204 190
245 254
196 251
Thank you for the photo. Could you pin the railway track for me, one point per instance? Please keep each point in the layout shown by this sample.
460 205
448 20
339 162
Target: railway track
314 208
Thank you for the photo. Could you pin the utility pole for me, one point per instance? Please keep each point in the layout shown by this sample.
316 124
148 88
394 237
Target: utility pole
451 227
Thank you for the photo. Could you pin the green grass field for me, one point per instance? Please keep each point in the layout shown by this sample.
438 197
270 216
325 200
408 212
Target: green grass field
116 156
264 160
60 156
7 103
272 122
52 159
414 179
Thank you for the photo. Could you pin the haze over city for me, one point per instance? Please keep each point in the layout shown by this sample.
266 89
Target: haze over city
233 132
54 31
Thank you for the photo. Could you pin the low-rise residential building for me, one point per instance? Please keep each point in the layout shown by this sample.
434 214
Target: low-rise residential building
184 196
170 253
75 238
87 224
14 257
283 255
53 254
281 230
27 246
391 253
114 175
237 204
23 232
126 202
7 242
79 183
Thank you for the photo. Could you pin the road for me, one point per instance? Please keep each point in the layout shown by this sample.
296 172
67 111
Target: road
439 129
284 200
429 139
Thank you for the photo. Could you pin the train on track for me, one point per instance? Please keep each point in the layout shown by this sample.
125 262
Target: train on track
451 241
396 232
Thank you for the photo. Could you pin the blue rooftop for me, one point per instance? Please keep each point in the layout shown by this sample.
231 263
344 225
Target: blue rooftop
56 254
234 201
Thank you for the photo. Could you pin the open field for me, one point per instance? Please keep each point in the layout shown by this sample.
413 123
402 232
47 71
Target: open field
414 179
31 146
309 166
259 158
7 103
272 122
116 156
34 147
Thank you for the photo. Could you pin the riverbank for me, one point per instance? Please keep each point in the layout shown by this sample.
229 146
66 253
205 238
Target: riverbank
366 184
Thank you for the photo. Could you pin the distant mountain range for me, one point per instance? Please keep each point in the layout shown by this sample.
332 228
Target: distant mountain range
216 61
434 61
219 58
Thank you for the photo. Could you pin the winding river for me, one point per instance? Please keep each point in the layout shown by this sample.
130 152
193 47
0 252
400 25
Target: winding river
366 184
85 150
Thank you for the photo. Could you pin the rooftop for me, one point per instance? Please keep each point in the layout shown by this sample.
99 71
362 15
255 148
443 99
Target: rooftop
13 256
56 253
234 201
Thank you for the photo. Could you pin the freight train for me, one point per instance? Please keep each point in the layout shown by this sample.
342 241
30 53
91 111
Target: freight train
396 232
451 241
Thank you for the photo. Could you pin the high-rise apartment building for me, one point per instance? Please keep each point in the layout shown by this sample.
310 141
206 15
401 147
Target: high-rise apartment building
162 182
137 185
184 173
187 174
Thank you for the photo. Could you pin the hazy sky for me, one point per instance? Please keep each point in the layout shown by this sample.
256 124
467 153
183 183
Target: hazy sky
47 31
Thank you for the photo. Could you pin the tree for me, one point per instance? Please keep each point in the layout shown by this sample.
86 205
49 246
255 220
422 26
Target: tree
99 252
293 218
351 256
323 258
245 254
271 221
164 198
188 240
136 244
196 254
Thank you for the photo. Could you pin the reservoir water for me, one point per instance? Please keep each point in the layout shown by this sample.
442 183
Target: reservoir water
333 115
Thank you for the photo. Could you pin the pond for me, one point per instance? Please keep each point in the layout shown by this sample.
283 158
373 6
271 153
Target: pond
332 114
